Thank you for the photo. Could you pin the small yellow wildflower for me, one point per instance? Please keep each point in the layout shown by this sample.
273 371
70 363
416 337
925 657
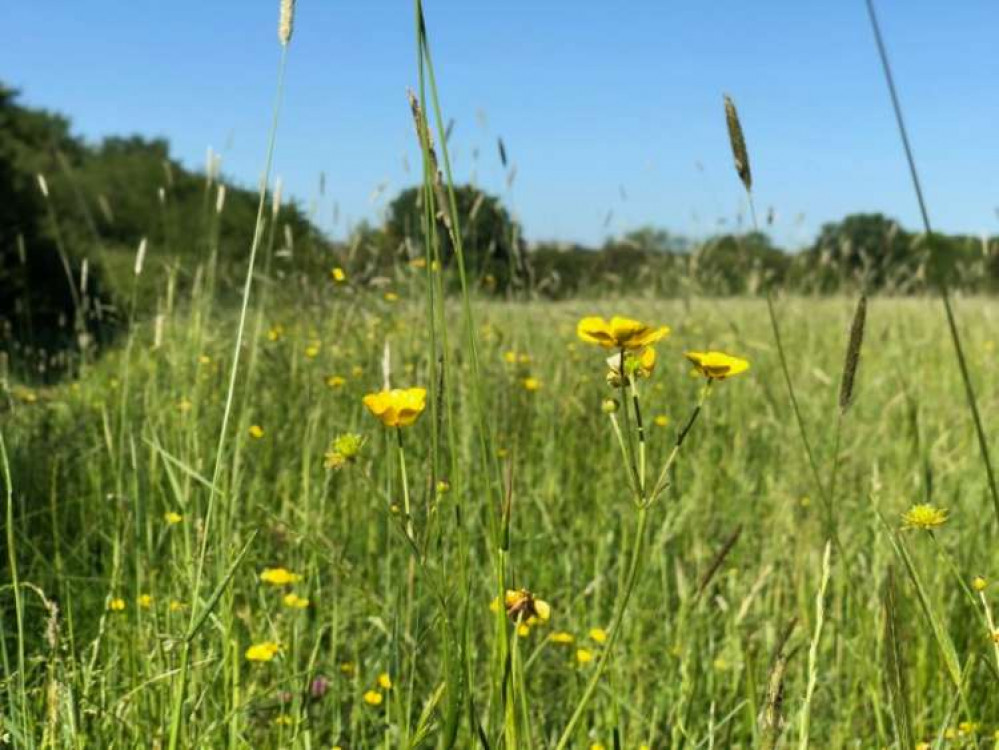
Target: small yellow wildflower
598 634
950 733
418 263
531 384
391 297
562 637
262 651
924 516
184 405
619 333
279 576
661 420
510 357
522 604
523 630
283 720
343 450
717 365
397 407
312 351
635 366
348 668
335 381
145 601
443 486
256 431
979 583
609 406
117 604
294 601
204 359
598 746
338 275
275 333
384 681
373 698
584 655
356 371
176 606
172 517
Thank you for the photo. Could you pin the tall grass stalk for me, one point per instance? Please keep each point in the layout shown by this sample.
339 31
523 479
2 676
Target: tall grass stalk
15 580
955 336
197 612
813 651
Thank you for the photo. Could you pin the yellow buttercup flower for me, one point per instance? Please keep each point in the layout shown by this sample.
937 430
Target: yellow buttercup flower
338 275
924 516
172 517
312 351
335 381
145 601
397 407
598 634
523 630
619 333
283 720
717 365
176 606
562 637
373 698
391 297
275 333
279 576
294 601
661 420
263 651
116 605
584 655
531 384
384 681
979 583
256 431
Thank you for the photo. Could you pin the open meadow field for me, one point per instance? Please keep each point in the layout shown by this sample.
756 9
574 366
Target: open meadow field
513 479
276 478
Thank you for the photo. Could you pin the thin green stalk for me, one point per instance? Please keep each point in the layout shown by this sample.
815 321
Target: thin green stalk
969 390
634 567
16 584
181 690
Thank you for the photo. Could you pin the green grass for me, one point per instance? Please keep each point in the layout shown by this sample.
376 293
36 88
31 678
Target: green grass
90 493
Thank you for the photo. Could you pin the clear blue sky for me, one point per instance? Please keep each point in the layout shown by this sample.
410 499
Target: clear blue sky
603 106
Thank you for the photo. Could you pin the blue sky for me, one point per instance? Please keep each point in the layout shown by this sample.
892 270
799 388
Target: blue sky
603 106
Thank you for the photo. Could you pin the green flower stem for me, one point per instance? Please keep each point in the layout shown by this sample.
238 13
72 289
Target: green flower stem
634 567
405 486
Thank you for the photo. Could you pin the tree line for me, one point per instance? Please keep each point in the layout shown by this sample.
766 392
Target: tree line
72 214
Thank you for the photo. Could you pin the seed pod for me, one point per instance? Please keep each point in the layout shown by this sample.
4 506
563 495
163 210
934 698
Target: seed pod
738 142
852 361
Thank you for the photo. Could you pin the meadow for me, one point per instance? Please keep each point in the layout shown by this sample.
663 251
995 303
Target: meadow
328 511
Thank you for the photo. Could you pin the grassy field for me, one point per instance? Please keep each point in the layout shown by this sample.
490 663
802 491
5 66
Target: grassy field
99 465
